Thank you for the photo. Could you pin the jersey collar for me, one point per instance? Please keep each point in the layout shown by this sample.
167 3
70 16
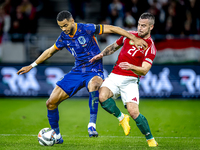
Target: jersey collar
74 31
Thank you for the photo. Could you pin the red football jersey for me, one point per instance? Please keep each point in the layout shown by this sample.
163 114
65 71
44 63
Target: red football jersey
129 53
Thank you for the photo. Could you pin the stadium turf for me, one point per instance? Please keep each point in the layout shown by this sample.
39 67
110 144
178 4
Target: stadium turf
174 123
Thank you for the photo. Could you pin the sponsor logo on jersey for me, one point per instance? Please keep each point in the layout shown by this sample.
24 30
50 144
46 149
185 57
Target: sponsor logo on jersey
81 40
131 42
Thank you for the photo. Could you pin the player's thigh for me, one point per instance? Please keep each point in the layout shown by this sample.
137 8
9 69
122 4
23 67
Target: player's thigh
56 97
95 83
130 93
71 83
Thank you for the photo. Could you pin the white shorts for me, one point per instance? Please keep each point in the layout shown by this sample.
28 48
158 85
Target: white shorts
126 86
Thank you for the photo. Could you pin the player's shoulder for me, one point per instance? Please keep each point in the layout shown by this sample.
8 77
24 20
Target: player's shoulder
151 45
85 25
86 28
133 32
150 41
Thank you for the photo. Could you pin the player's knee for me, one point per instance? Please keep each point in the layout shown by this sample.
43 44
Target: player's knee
134 113
102 97
96 86
50 105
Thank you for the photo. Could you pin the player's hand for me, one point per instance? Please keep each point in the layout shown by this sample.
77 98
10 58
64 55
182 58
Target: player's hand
125 66
140 43
97 57
24 70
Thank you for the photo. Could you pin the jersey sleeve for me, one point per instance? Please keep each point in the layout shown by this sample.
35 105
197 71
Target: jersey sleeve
150 54
59 45
120 41
94 29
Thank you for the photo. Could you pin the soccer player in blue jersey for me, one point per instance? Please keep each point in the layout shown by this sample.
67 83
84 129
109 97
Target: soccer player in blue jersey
79 40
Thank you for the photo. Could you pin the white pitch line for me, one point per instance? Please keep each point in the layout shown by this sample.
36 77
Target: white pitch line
105 136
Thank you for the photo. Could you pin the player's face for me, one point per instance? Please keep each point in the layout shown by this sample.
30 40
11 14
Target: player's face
67 26
144 28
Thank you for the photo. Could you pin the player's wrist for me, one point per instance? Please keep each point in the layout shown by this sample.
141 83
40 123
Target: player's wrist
34 64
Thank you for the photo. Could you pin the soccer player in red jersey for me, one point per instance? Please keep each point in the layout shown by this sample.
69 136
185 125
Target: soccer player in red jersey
132 63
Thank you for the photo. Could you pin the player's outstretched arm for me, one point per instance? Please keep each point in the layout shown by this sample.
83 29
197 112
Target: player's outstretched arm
117 30
44 56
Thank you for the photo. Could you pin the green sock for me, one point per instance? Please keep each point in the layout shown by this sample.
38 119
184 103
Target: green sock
110 106
143 125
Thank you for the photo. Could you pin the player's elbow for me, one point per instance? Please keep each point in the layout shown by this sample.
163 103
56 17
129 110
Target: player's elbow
142 72
49 53
111 29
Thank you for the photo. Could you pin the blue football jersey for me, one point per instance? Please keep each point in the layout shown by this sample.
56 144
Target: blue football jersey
83 46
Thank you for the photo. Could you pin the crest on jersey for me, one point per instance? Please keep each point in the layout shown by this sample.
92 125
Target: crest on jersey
131 42
81 40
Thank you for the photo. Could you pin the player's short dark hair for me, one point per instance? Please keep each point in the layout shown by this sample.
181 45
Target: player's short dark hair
64 15
148 16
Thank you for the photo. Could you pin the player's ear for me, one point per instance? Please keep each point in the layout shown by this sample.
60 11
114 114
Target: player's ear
72 20
151 27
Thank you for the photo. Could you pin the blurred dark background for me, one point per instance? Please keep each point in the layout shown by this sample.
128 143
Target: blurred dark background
28 27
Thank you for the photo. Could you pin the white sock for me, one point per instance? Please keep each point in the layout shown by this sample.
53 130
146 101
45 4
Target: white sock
57 136
92 124
120 118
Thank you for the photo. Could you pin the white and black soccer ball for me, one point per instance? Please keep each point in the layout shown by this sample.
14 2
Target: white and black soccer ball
46 137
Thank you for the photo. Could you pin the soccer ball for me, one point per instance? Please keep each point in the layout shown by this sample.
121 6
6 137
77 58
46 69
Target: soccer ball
46 137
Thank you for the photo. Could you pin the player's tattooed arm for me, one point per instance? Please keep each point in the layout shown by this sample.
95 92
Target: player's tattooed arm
107 51
110 49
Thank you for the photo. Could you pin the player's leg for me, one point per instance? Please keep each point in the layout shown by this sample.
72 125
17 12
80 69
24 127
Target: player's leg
108 90
141 123
108 104
130 98
56 97
93 87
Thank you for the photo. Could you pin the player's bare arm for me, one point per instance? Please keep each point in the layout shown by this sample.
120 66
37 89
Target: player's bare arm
107 51
117 30
110 49
44 56
137 70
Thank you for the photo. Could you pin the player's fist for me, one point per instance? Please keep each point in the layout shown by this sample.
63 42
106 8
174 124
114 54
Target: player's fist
140 43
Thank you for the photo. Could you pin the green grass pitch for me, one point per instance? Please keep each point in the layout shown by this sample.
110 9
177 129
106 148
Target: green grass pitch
174 123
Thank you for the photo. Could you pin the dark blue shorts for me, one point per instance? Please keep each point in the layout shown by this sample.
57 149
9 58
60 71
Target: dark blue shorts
74 81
